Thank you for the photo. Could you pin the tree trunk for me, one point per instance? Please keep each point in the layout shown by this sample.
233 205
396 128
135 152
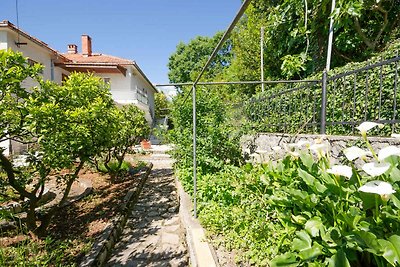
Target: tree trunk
41 231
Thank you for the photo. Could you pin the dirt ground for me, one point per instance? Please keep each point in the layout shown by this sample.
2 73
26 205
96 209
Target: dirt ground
82 221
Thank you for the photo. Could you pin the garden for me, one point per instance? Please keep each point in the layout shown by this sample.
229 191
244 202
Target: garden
58 196
293 203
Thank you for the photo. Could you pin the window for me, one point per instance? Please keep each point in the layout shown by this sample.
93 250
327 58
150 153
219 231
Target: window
142 95
64 77
107 80
32 62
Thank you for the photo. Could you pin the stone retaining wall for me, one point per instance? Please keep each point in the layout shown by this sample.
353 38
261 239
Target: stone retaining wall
266 141
103 246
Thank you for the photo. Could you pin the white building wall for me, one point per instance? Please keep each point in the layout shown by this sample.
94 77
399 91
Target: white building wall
3 40
5 145
34 52
124 91
120 87
138 82
58 72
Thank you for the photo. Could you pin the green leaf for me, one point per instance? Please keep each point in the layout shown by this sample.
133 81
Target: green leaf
394 175
311 181
339 260
391 249
311 253
286 260
307 160
307 178
314 226
298 219
303 241
395 201
368 241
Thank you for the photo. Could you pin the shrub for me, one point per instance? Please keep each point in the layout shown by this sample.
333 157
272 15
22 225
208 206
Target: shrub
303 211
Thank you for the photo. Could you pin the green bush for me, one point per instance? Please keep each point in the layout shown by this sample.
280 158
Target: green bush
217 138
271 112
297 212
113 167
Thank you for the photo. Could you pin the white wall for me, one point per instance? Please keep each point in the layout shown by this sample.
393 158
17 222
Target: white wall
120 87
139 82
3 40
123 90
58 72
5 145
33 51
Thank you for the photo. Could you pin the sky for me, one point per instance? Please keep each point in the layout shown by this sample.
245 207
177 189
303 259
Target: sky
146 31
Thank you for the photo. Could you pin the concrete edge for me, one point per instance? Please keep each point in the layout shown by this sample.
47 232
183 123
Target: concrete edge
200 250
103 245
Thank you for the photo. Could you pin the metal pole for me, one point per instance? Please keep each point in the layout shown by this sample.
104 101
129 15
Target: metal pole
323 102
194 154
223 38
262 58
330 39
237 82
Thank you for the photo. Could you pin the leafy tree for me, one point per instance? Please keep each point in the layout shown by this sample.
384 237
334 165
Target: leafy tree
296 34
217 140
129 127
65 125
189 59
14 116
161 105
72 124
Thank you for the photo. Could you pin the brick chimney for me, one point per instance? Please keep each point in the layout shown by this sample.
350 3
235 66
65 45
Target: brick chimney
72 49
86 45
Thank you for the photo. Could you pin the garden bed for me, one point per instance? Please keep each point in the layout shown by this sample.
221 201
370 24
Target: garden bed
74 230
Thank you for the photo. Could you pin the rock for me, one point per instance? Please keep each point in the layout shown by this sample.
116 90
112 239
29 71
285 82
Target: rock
170 238
173 209
153 214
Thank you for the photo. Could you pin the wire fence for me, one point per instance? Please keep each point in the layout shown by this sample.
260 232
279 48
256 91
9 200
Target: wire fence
333 105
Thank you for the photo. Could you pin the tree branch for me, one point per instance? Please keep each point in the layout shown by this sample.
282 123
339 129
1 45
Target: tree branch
7 167
336 51
365 39
372 44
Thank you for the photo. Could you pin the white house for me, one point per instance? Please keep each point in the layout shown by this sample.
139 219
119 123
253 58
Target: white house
128 83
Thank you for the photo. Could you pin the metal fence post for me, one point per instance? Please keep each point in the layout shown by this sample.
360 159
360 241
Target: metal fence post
323 102
194 154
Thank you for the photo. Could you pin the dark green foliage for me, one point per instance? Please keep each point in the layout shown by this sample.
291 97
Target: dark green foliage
189 59
217 139
275 112
293 211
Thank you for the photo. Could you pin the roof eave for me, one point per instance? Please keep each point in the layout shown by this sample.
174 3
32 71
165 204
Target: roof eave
144 76
9 25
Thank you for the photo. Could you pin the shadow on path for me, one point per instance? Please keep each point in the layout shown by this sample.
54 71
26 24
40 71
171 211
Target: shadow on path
154 234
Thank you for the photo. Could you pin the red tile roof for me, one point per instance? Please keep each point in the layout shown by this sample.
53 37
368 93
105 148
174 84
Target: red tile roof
98 58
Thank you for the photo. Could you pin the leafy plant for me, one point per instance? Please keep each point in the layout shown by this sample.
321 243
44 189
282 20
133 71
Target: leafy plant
303 211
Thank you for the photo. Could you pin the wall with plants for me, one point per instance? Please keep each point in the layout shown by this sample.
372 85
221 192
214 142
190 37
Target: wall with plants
301 210
353 98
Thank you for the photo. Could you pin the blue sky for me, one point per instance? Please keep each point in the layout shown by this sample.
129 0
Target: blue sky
146 31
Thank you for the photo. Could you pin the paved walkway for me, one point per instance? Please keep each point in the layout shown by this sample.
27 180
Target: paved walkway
154 234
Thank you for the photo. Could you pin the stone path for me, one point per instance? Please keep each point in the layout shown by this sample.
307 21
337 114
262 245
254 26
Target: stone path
154 234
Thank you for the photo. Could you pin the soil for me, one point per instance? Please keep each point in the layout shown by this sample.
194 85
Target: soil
82 221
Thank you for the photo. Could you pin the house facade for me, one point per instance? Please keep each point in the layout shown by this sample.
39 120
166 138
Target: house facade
128 83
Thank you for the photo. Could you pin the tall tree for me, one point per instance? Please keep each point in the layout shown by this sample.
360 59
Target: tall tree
296 35
161 105
188 59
